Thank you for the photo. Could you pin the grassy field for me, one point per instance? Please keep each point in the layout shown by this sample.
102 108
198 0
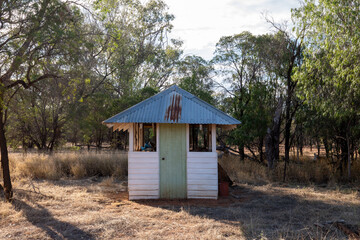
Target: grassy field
92 204
97 208
302 170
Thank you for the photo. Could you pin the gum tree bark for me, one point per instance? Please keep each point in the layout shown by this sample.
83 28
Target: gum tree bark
8 193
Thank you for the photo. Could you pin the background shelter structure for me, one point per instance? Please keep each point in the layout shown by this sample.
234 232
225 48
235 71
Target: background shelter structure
172 145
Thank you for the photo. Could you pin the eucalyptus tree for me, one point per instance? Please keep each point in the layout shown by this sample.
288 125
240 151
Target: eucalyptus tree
133 55
331 70
195 75
32 33
38 114
137 49
238 60
288 51
85 127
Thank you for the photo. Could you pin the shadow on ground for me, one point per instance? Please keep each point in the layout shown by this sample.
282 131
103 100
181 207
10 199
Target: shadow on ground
42 218
271 215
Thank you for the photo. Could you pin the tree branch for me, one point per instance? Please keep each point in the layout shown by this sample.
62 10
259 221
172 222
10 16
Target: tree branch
28 84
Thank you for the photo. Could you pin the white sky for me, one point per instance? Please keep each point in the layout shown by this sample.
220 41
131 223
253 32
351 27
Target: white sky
201 23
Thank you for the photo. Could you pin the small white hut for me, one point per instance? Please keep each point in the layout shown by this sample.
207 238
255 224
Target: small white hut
172 146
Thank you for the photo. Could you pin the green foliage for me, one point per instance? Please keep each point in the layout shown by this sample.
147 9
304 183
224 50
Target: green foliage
38 115
137 52
330 74
194 76
40 44
85 125
256 117
250 84
91 66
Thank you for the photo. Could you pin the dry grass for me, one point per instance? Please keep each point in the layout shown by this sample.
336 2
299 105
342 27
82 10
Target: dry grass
306 171
65 207
99 209
75 165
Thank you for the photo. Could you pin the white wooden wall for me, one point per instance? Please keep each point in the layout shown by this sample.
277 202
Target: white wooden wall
143 172
202 170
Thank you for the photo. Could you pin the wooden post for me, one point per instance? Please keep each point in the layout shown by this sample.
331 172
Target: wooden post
187 138
131 137
213 137
157 137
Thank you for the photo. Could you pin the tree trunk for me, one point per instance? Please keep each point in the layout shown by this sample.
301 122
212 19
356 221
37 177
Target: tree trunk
327 148
287 130
348 151
241 152
301 139
273 136
5 159
343 150
260 149
298 154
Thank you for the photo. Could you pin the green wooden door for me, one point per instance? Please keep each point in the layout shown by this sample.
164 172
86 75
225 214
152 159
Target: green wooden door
172 161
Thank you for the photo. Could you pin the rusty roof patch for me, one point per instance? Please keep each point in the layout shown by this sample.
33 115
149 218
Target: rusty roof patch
173 111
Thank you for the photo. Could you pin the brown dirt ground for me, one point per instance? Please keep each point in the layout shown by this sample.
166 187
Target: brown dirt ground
100 209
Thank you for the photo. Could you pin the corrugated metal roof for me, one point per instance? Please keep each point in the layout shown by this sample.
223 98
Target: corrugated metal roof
173 105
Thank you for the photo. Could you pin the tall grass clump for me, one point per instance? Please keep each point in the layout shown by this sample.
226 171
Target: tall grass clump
73 165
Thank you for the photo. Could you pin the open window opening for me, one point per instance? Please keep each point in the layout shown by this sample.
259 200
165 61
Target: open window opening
145 137
200 138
